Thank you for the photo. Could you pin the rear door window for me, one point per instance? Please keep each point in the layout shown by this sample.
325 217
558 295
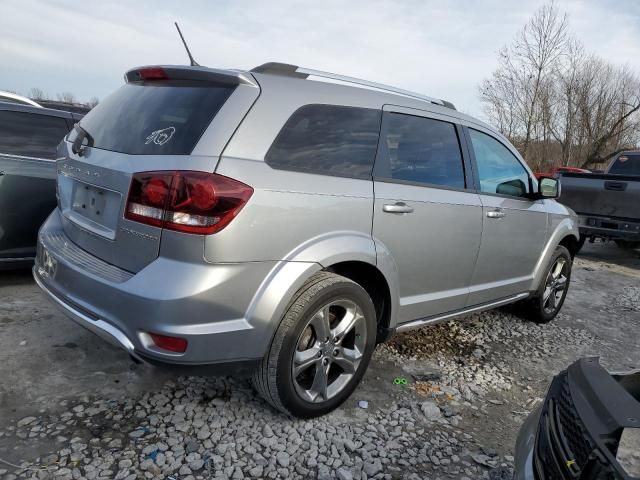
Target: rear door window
626 164
328 140
421 150
155 118
31 135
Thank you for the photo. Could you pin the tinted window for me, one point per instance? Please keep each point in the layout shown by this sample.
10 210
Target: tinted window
422 150
155 118
329 140
499 169
30 134
626 164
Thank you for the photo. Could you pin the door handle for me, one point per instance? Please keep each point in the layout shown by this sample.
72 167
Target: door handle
497 213
615 186
398 207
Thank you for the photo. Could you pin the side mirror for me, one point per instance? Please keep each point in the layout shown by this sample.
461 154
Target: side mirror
548 187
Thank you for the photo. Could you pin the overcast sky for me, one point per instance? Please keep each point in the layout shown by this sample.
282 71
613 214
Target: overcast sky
438 47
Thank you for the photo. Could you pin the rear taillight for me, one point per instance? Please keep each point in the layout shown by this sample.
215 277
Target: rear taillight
191 202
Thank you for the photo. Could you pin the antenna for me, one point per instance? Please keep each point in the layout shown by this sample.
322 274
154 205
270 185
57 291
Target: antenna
193 62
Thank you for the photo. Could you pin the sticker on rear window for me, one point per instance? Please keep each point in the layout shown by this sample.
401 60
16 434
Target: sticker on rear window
160 137
623 159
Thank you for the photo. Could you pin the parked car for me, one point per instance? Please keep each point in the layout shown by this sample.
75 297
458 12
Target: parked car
29 136
607 203
66 106
586 428
556 171
9 97
217 216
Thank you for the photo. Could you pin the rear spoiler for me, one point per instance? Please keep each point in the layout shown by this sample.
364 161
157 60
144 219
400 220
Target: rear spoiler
178 72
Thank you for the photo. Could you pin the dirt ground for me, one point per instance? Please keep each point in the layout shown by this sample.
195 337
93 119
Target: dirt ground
48 364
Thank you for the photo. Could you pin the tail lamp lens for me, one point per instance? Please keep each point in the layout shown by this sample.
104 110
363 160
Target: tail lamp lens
185 201
171 344
152 73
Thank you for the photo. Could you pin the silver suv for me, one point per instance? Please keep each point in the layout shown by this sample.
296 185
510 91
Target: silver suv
289 220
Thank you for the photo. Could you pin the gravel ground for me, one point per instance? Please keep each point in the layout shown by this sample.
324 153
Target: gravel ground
71 407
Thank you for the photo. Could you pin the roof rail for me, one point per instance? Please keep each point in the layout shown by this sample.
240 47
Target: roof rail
15 98
295 71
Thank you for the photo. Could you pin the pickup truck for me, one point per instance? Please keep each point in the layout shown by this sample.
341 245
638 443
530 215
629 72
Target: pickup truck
607 204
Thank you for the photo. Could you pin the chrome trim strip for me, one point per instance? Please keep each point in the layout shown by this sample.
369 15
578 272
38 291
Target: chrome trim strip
478 308
101 328
24 157
18 99
17 259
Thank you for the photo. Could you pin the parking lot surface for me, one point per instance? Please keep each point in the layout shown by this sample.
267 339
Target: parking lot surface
442 402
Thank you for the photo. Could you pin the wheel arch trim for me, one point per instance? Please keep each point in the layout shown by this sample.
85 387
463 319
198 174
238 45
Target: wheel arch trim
565 228
276 291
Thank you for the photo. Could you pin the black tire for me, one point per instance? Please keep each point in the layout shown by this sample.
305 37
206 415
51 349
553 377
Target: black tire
274 378
536 308
581 241
627 244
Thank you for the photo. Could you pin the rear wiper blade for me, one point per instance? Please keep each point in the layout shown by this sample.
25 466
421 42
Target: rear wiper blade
82 141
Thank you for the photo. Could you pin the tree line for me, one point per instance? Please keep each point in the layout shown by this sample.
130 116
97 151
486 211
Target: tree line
36 94
557 103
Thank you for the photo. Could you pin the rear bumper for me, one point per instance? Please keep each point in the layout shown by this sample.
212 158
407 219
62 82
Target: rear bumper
204 303
607 227
101 328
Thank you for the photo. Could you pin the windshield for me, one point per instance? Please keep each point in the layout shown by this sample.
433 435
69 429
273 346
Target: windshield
155 118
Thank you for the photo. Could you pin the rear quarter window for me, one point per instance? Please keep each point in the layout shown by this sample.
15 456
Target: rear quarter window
155 118
328 140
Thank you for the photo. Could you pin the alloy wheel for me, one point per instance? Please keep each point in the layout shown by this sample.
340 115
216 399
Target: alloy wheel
329 351
555 286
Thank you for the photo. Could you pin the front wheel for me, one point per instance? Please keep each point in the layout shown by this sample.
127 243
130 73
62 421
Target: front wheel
547 302
321 348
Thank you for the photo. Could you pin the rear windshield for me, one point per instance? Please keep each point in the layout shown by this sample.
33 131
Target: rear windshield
626 164
155 118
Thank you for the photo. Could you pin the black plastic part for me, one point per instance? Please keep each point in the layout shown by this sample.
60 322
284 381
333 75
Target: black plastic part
275 68
240 368
448 104
384 334
582 420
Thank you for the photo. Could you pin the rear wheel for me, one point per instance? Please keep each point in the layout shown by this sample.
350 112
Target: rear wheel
547 302
321 349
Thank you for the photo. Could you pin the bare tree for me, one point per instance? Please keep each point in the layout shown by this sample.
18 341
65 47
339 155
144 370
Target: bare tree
610 110
513 92
66 97
556 103
537 49
564 103
93 102
37 94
